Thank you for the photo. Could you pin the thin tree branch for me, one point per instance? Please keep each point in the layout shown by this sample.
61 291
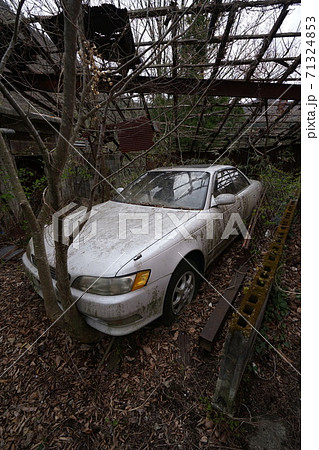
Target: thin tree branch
14 38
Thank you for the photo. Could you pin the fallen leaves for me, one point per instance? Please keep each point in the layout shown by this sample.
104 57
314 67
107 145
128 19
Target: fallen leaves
54 397
147 350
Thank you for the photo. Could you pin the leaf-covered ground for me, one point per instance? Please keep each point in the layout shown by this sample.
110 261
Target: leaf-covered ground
152 389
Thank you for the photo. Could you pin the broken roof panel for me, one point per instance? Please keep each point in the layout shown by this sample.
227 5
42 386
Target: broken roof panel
106 26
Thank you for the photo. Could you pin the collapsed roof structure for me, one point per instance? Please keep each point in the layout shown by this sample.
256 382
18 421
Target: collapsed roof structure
218 74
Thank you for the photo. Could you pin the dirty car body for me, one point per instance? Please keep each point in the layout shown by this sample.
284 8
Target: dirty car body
140 256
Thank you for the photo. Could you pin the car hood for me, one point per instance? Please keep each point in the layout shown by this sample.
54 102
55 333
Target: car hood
115 234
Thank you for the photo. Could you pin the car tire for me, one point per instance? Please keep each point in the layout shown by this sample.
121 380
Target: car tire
181 290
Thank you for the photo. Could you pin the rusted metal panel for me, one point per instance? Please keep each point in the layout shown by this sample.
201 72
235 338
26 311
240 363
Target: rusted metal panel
217 319
135 135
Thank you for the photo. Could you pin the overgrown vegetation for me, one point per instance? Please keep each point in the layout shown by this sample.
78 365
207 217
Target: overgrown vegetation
220 422
277 310
281 187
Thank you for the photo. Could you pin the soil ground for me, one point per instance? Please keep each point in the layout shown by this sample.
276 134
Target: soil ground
151 389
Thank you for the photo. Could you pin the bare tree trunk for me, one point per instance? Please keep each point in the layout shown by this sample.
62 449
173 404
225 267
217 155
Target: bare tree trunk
50 303
75 323
71 320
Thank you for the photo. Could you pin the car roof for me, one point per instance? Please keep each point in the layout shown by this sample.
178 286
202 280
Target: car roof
196 168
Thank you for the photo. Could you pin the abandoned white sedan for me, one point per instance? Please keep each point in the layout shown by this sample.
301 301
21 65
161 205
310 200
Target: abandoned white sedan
141 255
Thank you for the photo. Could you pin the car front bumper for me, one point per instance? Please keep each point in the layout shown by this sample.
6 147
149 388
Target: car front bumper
115 315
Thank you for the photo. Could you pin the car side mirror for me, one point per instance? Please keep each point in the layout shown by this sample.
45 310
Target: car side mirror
223 199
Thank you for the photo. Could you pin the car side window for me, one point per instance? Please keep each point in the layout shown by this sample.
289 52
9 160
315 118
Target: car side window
239 181
223 183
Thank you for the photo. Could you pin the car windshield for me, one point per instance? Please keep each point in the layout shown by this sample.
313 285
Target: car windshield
170 189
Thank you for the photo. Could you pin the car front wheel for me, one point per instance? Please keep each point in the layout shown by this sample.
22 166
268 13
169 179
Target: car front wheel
181 290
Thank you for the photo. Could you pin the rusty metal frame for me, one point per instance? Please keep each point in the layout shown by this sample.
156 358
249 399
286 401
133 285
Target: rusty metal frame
277 87
170 85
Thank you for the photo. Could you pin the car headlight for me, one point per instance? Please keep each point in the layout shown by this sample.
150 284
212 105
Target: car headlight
112 286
